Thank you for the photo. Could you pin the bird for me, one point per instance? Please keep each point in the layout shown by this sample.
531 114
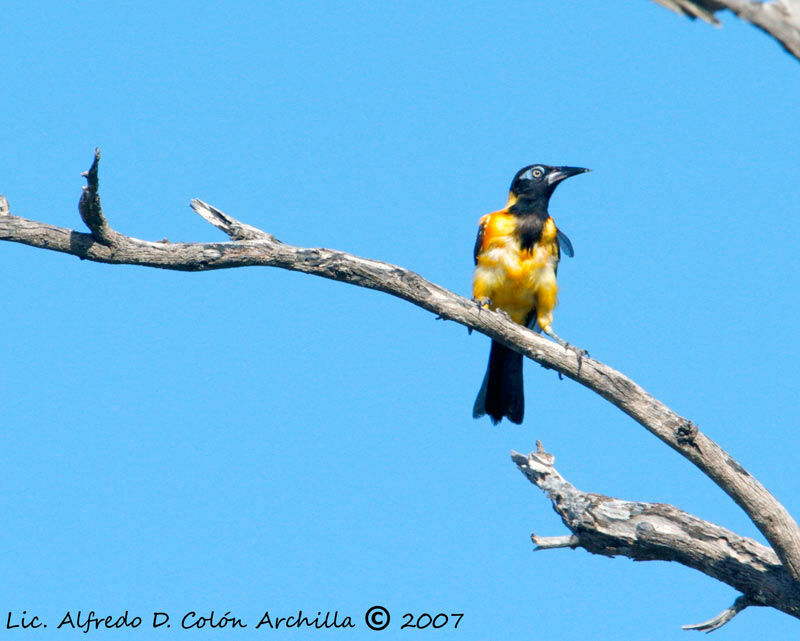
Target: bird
516 259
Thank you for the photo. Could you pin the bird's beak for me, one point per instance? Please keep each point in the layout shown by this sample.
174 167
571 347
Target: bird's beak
562 173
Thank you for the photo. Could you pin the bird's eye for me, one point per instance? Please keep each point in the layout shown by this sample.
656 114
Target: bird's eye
537 172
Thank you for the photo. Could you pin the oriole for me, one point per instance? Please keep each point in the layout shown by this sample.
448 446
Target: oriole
516 260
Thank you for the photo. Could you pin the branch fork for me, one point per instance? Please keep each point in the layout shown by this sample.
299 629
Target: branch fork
658 532
598 523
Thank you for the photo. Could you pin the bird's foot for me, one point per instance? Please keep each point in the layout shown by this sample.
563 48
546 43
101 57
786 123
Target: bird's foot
579 353
482 303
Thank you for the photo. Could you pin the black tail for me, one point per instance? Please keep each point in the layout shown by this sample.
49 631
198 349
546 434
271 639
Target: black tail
501 393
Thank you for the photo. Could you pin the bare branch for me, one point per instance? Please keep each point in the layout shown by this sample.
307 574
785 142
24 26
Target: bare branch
108 246
236 229
554 542
659 532
90 209
778 18
703 9
723 617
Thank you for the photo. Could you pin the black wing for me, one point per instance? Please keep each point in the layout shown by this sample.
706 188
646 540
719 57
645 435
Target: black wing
479 241
564 244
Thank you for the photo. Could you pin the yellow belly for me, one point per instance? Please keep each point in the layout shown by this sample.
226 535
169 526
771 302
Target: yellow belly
521 283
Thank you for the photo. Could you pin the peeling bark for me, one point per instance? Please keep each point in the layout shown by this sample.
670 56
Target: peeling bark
659 532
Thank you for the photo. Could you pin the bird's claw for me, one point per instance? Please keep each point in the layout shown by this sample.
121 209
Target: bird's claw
580 354
481 303
486 303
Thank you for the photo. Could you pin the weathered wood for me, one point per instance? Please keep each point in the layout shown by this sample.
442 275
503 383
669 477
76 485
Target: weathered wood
659 532
255 247
778 18
703 9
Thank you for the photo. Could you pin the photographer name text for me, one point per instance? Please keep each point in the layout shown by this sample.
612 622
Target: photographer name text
375 618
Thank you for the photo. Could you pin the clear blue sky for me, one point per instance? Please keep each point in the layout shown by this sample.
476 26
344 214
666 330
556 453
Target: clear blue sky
253 439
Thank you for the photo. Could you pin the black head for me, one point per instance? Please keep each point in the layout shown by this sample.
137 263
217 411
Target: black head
536 183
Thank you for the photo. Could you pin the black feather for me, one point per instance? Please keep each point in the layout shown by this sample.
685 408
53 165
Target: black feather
564 244
479 242
501 394
531 216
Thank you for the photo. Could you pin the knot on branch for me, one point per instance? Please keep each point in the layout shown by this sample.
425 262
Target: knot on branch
686 433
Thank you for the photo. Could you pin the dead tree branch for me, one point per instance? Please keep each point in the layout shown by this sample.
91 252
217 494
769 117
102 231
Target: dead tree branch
251 246
723 617
778 18
658 532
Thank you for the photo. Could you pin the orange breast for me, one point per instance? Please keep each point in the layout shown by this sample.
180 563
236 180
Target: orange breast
516 281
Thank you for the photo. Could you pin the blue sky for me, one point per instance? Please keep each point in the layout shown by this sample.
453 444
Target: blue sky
253 440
